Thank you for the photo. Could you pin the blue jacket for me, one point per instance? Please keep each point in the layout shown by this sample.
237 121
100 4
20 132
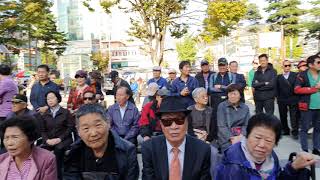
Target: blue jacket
38 93
178 85
128 126
235 166
224 81
162 82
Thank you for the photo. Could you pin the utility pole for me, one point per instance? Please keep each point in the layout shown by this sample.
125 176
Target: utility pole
283 46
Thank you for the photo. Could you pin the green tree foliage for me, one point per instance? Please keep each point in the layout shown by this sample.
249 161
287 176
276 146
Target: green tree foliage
209 56
295 50
187 50
223 16
24 21
254 16
155 18
286 13
313 26
100 60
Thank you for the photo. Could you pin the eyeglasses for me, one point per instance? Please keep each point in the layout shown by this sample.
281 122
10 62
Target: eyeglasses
88 98
288 65
168 122
172 73
80 77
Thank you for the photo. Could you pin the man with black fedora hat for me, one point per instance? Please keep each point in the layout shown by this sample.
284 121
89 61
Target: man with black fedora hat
175 155
118 82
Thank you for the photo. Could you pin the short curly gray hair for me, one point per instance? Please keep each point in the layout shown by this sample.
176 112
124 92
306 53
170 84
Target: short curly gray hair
197 91
89 109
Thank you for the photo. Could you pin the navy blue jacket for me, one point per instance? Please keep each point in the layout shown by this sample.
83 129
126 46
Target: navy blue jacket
38 93
235 166
262 91
178 85
224 81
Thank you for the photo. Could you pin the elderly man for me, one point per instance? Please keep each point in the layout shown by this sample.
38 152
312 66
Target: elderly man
204 75
124 116
20 107
240 80
172 75
175 155
157 77
101 153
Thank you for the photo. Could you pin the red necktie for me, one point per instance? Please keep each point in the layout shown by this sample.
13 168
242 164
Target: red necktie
175 166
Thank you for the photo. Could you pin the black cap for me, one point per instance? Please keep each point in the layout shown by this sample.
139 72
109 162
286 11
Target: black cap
204 62
19 98
222 61
172 104
113 74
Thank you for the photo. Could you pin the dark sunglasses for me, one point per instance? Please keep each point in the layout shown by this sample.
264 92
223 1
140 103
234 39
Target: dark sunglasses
172 73
80 77
88 98
168 122
289 65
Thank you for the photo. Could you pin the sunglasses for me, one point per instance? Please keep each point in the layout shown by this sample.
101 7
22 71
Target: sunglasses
288 65
172 73
88 98
80 77
168 122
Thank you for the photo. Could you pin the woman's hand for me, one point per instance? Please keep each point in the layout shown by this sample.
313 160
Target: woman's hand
303 160
53 142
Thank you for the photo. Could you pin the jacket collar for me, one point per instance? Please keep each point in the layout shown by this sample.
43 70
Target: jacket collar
129 105
235 155
4 167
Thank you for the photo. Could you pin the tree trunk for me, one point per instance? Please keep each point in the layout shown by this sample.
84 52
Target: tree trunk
161 50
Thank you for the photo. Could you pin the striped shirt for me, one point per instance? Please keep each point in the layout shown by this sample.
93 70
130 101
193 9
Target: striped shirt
15 174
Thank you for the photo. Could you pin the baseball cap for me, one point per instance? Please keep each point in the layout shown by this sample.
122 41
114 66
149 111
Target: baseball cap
19 98
204 62
172 71
152 89
156 68
222 61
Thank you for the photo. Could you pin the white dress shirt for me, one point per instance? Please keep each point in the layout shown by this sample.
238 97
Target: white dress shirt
286 75
123 110
180 156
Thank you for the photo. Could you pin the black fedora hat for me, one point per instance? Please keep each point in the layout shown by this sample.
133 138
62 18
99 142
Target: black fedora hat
172 104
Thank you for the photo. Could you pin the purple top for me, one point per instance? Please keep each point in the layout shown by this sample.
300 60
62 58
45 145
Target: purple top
8 88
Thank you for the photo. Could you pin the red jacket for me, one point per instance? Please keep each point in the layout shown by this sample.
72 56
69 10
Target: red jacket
148 121
75 99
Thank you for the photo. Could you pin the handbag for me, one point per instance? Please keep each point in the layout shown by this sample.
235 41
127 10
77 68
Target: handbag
303 106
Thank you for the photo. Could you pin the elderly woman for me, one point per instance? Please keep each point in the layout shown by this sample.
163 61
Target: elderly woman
149 123
56 125
75 99
254 158
232 118
201 115
23 160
